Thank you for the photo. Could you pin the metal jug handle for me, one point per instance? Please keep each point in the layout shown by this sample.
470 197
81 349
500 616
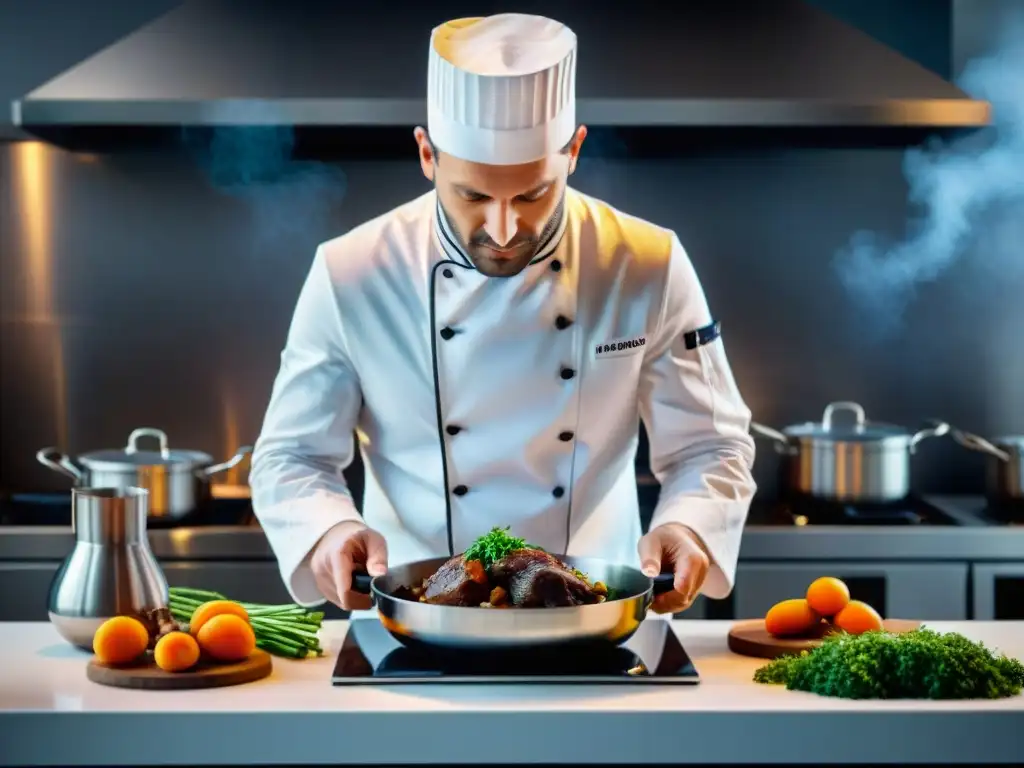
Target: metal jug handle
133 440
55 460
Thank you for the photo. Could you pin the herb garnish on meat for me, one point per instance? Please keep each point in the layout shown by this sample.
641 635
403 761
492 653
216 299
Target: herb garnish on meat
493 546
499 570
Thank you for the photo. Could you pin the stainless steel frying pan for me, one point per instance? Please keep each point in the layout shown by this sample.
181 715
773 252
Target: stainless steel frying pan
452 628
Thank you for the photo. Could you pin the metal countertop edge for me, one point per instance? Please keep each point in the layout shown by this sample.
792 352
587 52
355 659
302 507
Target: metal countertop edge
921 735
760 543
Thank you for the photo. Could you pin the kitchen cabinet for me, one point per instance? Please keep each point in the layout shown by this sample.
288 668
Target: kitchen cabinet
24 587
926 591
998 591
952 589
920 591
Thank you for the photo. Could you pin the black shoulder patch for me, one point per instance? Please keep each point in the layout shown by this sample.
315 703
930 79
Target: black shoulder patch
702 336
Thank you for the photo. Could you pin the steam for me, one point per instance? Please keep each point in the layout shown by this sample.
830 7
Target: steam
290 201
971 193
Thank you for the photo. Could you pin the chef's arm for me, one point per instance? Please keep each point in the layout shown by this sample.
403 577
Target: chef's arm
298 490
697 424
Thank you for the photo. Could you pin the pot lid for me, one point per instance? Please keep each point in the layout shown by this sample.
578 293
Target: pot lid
856 429
131 455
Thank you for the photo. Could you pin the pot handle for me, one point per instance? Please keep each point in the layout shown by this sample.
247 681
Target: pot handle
361 582
976 443
234 461
133 440
781 441
937 429
55 460
663 583
843 405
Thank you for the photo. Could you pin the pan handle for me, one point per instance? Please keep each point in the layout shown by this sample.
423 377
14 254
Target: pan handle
979 444
361 582
59 462
234 461
781 442
663 583
938 428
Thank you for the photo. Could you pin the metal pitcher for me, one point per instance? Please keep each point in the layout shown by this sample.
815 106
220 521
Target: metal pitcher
111 571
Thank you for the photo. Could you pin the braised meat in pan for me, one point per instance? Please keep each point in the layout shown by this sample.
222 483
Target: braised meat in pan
502 571
457 582
534 578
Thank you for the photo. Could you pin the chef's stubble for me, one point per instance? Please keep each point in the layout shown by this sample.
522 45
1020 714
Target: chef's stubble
509 267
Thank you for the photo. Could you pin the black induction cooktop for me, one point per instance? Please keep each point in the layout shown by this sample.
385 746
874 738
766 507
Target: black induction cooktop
654 655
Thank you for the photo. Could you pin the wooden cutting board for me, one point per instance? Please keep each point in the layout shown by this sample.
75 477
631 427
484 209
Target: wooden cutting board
750 638
146 675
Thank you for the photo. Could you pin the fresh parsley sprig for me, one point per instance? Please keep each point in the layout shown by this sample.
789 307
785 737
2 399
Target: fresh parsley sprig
922 664
494 545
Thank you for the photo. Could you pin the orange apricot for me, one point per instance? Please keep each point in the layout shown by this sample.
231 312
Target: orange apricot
857 618
212 608
120 640
828 595
790 617
176 652
227 638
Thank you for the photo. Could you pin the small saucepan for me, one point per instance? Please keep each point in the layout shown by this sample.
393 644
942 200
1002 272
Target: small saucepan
863 461
448 628
178 480
1004 480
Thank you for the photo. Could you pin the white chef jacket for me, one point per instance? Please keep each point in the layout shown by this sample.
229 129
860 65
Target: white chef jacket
482 402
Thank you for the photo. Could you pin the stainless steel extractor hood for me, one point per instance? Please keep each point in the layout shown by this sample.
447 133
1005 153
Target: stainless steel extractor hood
724 63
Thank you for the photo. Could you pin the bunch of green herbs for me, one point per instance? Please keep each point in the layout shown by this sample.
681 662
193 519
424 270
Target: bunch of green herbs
494 545
284 630
922 664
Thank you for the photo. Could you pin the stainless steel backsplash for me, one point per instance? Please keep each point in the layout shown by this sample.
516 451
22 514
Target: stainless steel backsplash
135 292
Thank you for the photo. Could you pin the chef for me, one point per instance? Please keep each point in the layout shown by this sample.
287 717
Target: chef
493 345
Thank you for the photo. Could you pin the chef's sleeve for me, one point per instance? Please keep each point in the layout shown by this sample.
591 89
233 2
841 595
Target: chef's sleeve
697 423
298 490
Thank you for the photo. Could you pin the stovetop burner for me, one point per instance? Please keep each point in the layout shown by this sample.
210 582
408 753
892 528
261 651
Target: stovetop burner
810 511
1010 513
54 509
370 655
1003 515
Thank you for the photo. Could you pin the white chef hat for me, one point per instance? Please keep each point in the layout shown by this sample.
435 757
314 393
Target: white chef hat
501 89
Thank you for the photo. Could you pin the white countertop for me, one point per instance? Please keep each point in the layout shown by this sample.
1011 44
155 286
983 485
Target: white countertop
296 716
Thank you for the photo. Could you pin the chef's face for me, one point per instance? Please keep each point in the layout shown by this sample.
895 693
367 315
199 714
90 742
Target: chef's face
501 213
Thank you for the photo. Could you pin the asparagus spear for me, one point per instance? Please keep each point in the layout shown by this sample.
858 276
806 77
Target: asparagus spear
284 630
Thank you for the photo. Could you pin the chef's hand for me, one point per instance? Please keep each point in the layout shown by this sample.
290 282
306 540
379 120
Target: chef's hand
345 548
676 547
